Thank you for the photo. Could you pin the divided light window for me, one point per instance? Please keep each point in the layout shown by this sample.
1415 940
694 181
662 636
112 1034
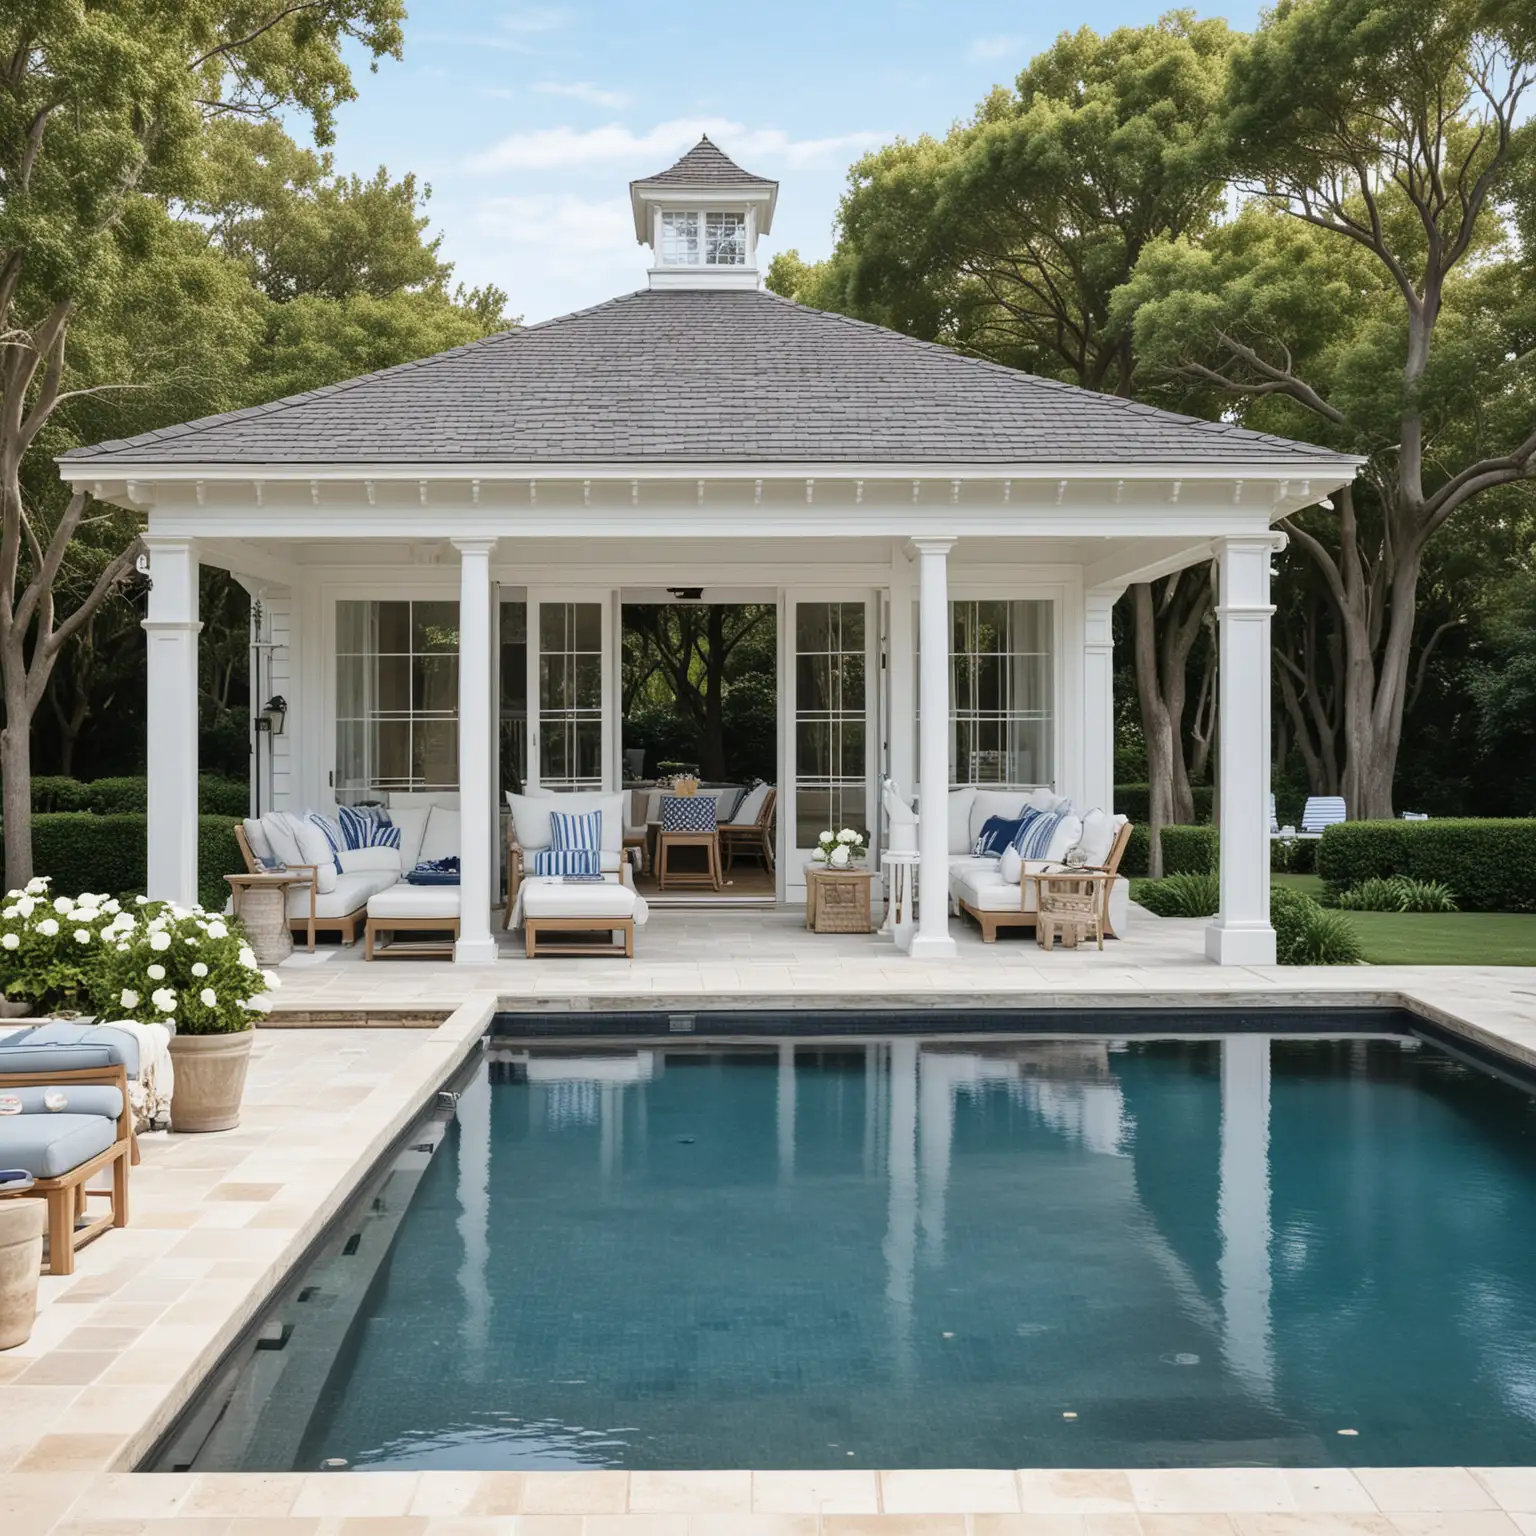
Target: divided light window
397 698
571 695
831 706
1000 693
691 239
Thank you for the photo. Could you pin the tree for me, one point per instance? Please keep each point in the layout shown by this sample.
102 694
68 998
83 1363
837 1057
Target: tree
1368 297
1009 238
104 112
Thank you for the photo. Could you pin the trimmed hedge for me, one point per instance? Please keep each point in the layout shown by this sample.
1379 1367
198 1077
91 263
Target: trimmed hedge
216 796
82 852
1489 865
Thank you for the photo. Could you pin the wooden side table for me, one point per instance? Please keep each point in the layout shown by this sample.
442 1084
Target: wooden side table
708 877
261 903
838 900
1071 903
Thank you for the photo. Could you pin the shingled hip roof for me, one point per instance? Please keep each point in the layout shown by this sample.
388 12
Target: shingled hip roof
705 165
693 377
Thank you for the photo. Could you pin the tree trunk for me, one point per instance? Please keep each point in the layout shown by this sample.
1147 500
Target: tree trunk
712 737
16 804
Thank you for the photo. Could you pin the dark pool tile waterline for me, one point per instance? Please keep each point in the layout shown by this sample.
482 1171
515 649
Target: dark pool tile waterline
929 1253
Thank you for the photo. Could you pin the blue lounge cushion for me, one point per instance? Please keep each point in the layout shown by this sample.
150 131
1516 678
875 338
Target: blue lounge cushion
54 1058
48 1146
80 1099
122 1045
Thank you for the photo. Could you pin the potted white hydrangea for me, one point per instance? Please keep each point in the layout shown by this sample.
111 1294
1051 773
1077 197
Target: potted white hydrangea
194 972
839 850
50 948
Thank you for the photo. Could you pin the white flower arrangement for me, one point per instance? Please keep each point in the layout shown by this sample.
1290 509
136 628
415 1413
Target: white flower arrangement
839 850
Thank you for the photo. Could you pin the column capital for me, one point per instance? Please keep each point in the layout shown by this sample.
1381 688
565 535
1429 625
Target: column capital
473 546
933 544
1103 597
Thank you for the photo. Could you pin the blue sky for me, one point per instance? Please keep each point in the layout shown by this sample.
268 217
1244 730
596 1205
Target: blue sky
529 120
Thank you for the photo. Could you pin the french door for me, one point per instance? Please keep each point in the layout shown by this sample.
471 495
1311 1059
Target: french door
572 691
830 738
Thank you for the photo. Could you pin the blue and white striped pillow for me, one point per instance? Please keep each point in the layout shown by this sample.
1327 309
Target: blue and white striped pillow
333 835
567 861
370 828
570 832
1034 839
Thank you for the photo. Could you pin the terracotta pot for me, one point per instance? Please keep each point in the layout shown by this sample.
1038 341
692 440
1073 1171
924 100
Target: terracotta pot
21 1258
210 1077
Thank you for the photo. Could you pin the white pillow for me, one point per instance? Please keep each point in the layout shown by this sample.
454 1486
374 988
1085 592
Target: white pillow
316 849
1009 865
961 802
1008 803
367 861
412 821
281 839
531 812
1097 837
441 840
1068 834
752 803
257 841
1048 800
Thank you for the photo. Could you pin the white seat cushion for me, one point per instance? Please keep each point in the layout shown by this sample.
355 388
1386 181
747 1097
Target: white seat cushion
595 899
351 892
980 886
404 901
531 813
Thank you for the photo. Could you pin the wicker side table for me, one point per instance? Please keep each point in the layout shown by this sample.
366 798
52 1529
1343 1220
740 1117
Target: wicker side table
261 903
837 900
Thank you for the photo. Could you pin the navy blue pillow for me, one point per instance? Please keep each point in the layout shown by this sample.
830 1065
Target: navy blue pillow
996 834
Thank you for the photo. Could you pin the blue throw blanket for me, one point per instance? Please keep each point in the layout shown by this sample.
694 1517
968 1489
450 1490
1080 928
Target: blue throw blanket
435 872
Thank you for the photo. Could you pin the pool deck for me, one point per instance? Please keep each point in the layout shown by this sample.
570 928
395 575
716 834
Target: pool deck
217 1220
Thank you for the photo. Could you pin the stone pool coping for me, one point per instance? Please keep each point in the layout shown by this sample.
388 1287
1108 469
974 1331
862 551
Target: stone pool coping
122 1345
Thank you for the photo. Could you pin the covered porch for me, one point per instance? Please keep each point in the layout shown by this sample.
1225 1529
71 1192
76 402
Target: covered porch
460 634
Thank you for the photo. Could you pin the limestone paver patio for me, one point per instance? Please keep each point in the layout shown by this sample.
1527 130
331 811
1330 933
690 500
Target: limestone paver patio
120 1346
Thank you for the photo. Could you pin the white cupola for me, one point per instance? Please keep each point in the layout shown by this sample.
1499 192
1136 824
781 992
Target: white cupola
701 220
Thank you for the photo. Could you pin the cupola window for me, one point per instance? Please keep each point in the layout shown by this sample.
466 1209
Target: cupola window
724 242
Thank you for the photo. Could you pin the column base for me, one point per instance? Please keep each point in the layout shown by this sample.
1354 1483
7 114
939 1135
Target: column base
932 946
475 951
1248 945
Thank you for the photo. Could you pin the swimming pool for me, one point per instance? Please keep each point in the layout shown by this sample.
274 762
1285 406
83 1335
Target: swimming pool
907 1251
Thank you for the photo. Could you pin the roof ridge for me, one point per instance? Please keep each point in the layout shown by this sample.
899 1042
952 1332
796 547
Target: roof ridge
1134 407
340 387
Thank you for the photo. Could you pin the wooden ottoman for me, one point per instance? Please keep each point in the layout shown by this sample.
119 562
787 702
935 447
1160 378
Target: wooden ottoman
407 908
552 905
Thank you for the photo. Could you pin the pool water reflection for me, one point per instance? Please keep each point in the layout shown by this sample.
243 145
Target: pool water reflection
935 1253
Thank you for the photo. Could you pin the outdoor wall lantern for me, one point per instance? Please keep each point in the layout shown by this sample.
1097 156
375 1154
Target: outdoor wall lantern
273 713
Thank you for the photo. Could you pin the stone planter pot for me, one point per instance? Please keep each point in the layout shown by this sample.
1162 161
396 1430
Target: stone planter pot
15 1007
21 1259
210 1077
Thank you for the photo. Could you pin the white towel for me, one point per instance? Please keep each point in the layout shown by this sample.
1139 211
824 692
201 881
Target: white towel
149 1095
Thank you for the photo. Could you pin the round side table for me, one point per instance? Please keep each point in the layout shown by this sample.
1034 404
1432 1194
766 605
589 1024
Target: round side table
261 903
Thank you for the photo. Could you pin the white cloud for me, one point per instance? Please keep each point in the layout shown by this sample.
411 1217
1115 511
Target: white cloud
998 47
561 148
534 18
581 90
566 227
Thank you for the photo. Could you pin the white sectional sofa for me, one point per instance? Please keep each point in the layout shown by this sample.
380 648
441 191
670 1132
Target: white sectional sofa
990 890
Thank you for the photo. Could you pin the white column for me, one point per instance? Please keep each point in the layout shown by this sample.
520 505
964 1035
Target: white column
1241 934
475 946
171 718
932 940
1098 771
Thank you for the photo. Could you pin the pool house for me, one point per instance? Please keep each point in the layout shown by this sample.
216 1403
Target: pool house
440 556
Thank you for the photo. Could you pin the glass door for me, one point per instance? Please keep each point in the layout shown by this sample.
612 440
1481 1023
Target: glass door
570 686
833 742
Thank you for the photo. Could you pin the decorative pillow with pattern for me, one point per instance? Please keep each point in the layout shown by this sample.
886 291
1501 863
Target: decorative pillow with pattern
689 813
997 833
1035 836
333 835
575 832
367 828
567 861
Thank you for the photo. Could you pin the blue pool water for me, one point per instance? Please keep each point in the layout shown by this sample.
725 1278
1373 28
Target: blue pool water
930 1253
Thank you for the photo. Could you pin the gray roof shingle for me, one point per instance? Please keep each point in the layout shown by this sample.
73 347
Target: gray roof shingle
705 165
703 377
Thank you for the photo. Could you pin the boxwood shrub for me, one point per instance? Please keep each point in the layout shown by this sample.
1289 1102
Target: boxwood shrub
216 796
1135 801
1489 865
82 852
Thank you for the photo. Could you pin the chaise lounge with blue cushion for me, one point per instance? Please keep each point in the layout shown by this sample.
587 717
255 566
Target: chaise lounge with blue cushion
63 1148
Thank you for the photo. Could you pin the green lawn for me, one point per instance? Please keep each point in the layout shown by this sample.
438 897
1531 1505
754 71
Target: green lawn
1436 938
